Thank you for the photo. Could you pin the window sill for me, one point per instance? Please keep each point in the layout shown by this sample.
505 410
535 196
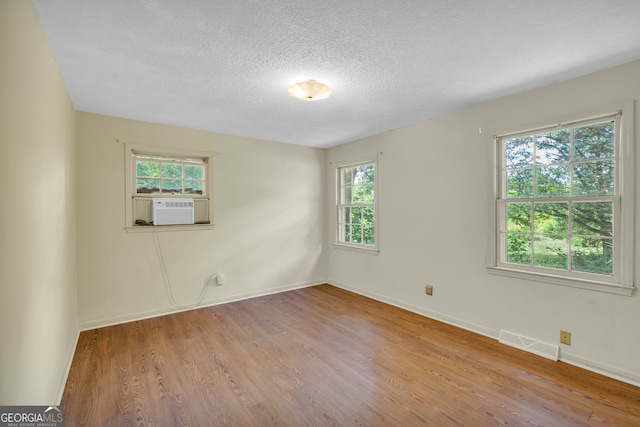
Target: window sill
610 288
151 228
356 249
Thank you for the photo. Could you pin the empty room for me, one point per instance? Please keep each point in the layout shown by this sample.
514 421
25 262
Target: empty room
295 213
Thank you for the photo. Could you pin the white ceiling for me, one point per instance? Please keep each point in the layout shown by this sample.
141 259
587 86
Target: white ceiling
225 66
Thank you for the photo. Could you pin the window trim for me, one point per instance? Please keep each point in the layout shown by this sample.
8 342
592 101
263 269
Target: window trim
623 284
369 249
132 149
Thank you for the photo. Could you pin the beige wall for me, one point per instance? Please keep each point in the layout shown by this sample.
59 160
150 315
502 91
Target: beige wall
38 318
434 193
268 207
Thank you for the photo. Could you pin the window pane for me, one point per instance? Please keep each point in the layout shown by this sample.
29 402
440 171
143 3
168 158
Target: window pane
519 248
551 218
346 215
171 171
593 178
553 181
347 176
193 187
519 217
594 141
592 219
358 194
369 195
368 174
347 195
553 147
519 183
369 238
551 252
519 152
147 186
171 186
150 169
356 214
356 233
347 233
368 215
359 174
592 255
193 172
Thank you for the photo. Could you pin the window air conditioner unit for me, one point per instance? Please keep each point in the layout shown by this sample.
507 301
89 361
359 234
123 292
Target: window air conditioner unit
172 211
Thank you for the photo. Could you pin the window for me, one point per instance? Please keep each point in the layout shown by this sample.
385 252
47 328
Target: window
152 173
357 218
558 204
170 175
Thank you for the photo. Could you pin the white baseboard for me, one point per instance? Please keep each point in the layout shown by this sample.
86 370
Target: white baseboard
600 368
63 381
208 303
584 363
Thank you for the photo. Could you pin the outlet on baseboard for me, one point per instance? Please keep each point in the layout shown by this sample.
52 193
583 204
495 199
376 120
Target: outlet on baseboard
565 337
428 290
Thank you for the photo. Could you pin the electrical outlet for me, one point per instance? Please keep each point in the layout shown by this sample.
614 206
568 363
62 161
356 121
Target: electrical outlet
428 290
565 337
216 279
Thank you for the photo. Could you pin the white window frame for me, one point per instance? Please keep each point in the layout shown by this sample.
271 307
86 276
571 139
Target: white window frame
622 281
359 247
182 157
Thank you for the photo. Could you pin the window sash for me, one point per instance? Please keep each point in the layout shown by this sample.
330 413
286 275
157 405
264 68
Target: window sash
503 201
171 190
347 239
569 271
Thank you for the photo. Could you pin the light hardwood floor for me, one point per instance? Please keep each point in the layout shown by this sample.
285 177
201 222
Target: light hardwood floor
322 356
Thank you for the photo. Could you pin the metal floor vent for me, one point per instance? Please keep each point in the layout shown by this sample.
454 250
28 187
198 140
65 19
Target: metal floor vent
531 345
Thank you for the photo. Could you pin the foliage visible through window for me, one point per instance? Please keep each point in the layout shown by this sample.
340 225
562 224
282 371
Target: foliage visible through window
557 209
356 207
169 176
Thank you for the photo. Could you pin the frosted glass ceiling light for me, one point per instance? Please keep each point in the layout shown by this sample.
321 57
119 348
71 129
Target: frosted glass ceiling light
311 90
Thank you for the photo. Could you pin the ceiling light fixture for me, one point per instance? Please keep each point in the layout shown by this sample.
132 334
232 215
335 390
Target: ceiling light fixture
311 90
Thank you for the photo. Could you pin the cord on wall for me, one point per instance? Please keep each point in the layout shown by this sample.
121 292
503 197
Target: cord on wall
167 279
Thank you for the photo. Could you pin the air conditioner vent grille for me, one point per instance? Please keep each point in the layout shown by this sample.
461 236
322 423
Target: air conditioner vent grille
176 204
172 211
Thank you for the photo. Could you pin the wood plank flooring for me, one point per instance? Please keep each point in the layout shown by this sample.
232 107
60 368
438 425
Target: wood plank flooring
323 356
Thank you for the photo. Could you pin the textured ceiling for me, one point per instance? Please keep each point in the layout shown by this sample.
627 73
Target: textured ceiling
225 66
